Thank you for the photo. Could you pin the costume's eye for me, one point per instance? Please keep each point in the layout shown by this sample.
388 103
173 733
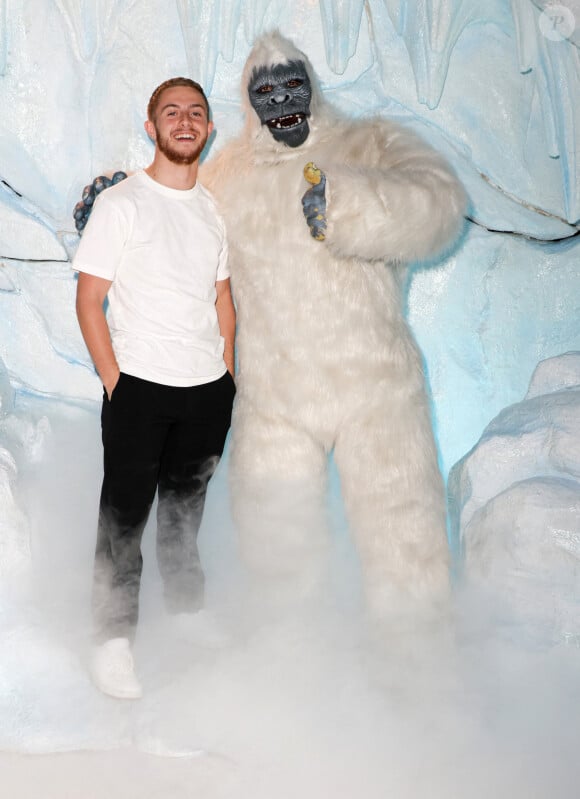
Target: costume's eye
294 83
265 89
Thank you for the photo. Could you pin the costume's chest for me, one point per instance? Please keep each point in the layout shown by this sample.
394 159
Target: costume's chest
263 208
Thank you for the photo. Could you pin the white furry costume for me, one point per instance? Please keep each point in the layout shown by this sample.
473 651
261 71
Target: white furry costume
326 360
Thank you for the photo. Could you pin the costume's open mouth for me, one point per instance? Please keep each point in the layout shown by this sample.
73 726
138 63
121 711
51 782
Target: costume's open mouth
289 121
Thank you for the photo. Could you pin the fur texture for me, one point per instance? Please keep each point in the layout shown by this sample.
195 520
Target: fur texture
326 359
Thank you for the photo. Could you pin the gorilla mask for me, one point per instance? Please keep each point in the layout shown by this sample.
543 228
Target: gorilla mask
280 95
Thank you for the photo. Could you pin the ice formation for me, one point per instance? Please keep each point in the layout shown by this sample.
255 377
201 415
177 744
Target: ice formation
516 505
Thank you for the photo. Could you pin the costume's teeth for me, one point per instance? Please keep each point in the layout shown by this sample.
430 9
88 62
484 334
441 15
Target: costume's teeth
287 121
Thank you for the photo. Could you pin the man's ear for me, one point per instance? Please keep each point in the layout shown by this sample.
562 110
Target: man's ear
150 130
209 128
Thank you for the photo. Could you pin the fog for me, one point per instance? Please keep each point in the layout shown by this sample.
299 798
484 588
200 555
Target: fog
304 699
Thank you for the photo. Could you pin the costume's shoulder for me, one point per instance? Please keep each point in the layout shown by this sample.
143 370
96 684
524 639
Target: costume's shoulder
233 158
379 128
388 143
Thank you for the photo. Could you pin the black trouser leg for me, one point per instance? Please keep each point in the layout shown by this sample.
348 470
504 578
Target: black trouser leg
192 451
133 438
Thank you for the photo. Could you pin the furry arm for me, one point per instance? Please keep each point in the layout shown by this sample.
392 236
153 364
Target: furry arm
391 197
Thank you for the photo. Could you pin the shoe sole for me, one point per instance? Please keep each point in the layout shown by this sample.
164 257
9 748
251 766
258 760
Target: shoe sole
116 694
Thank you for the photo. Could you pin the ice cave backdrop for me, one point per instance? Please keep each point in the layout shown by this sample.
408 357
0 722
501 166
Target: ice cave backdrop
495 85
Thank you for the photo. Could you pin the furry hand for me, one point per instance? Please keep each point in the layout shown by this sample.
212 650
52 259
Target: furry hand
314 202
84 207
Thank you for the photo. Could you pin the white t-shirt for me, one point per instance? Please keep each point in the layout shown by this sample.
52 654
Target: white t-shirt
163 249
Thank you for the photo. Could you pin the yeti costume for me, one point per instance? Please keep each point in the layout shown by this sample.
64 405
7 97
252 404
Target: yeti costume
326 360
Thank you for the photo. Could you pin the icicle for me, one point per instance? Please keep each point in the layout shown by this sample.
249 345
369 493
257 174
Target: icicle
209 30
445 20
544 96
341 26
228 20
199 39
82 18
416 35
525 22
3 37
556 71
397 11
254 14
430 30
561 64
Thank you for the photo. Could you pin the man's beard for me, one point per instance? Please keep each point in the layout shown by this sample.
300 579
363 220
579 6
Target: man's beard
175 156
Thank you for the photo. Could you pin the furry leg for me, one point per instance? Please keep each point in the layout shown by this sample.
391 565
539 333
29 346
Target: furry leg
277 480
394 498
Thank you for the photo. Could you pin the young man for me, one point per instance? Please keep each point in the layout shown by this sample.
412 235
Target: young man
156 248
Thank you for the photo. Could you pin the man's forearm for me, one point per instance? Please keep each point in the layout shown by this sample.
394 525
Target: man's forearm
95 331
228 333
229 359
226 314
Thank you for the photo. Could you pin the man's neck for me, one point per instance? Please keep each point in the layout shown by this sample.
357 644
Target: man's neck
175 176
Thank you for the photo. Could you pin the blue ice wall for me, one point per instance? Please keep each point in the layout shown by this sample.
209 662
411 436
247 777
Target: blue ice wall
494 89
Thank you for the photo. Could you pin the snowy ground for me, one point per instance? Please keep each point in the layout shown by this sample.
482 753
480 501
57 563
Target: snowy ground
311 703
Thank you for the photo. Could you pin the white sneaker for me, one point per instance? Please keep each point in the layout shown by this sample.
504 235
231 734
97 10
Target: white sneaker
112 669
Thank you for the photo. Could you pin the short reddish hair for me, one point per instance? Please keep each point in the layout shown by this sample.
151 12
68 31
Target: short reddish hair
169 84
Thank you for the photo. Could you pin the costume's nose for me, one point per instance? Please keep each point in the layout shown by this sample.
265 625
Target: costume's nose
279 97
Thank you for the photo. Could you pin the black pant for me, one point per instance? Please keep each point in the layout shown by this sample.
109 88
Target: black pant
165 439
